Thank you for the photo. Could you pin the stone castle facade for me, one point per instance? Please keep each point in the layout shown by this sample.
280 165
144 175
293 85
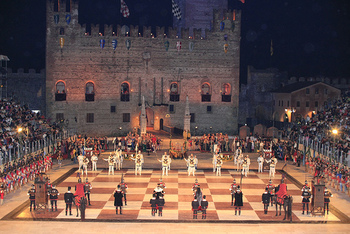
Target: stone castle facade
96 78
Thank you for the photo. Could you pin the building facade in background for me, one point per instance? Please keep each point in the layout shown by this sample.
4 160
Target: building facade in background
96 77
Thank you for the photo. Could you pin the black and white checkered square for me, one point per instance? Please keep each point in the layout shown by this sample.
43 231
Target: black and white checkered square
176 10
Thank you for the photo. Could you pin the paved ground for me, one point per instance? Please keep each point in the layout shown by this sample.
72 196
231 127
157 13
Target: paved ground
178 183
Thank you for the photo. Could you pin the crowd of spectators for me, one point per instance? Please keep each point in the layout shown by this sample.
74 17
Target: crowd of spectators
16 117
134 142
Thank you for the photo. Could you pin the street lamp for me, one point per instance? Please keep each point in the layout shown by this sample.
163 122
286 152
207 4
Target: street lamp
335 132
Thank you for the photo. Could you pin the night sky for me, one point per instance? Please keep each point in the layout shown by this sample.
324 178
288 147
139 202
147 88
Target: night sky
310 37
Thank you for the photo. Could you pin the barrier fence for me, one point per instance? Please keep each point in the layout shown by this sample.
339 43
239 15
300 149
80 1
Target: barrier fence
20 150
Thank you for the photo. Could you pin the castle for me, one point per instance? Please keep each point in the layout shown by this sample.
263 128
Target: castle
96 77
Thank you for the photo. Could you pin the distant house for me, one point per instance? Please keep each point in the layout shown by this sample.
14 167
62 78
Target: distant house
302 99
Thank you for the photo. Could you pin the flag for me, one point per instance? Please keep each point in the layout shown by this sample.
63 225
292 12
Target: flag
271 49
124 9
176 10
242 1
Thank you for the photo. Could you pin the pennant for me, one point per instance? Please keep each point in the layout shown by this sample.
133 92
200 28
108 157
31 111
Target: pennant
56 18
271 49
114 44
178 46
191 45
166 45
176 10
61 42
124 9
242 1
128 44
225 47
102 43
68 18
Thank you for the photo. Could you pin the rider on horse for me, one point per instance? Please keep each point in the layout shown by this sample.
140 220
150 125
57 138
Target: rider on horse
282 192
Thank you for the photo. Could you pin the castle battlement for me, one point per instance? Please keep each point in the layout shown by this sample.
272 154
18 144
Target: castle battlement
59 17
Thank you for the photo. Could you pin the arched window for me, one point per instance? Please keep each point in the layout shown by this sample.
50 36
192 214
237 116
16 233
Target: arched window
206 92
226 92
89 92
60 94
174 92
125 92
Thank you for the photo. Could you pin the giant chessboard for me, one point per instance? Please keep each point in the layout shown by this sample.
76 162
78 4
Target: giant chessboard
178 197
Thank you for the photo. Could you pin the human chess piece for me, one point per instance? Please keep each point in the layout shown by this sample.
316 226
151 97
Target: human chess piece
118 199
153 202
94 160
87 190
238 200
327 196
245 167
233 189
260 163
271 190
138 163
191 165
82 207
68 199
204 205
85 165
266 197
31 194
306 195
166 160
273 167
219 163
123 187
195 207
110 161
160 204
80 161
79 193
53 195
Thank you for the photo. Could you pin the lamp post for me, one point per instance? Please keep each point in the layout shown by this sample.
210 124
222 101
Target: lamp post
273 125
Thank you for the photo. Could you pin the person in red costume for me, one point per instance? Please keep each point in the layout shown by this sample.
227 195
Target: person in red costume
282 191
79 193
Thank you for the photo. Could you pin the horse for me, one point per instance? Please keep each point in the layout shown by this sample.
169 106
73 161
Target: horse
286 202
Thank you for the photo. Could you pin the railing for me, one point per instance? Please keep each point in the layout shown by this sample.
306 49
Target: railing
27 147
326 150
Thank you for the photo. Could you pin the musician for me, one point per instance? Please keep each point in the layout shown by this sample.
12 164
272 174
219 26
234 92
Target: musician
306 195
85 165
68 198
87 190
219 163
266 198
53 197
94 160
123 187
238 200
110 161
31 194
233 189
327 195
204 205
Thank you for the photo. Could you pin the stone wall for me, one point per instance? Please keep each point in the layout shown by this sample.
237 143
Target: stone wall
27 87
148 68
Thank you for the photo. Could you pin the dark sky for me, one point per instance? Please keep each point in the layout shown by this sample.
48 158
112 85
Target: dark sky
310 37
